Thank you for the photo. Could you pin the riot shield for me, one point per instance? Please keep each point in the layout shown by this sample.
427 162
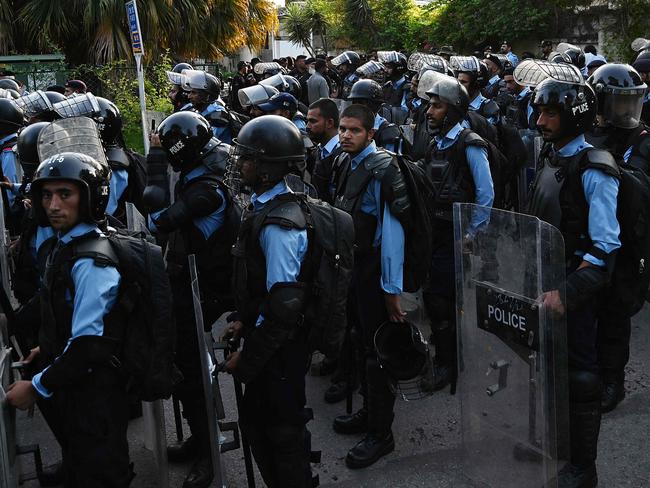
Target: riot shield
8 463
255 95
77 105
533 142
75 134
210 379
5 261
153 413
511 351
370 69
34 103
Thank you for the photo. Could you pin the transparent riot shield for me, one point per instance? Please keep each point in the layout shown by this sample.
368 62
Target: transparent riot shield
153 413
77 105
8 462
5 261
75 134
511 351
210 379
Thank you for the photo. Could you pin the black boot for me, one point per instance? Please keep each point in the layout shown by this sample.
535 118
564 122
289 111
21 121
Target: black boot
443 336
613 394
183 451
338 391
585 428
53 475
357 423
369 451
200 476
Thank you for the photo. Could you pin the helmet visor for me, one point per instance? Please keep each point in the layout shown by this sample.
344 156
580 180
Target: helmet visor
623 109
176 78
77 106
261 68
417 61
34 103
388 57
74 134
341 59
194 80
370 68
531 72
467 64
255 95
279 82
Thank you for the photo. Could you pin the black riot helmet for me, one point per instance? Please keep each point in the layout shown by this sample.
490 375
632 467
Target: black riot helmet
9 84
92 177
284 83
395 61
403 354
274 144
11 117
109 122
185 136
367 92
27 147
620 93
576 54
346 62
576 102
203 82
178 68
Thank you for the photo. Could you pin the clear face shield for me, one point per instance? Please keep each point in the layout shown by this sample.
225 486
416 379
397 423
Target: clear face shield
386 57
341 59
83 104
531 72
372 70
239 155
466 64
255 95
417 61
279 82
194 80
34 103
267 69
176 78
622 108
73 134
426 80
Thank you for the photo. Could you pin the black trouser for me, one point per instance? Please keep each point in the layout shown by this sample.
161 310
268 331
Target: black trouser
366 312
274 418
93 418
614 333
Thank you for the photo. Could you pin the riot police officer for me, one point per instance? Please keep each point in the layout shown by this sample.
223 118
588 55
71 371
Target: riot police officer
473 75
495 67
323 129
347 63
285 105
575 190
458 164
620 93
396 88
270 249
196 224
369 93
176 94
11 119
203 93
77 343
642 65
518 110
360 179
128 174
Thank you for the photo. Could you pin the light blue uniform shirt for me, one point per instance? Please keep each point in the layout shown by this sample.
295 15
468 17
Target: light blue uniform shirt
300 124
479 166
476 104
10 169
221 133
331 145
284 249
529 108
512 57
389 234
601 193
209 224
493 80
96 290
118 184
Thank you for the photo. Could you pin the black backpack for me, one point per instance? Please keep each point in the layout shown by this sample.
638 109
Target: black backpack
137 178
145 298
631 274
418 226
331 255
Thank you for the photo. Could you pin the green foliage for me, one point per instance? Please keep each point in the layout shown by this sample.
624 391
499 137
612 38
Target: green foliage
297 23
394 20
631 22
121 85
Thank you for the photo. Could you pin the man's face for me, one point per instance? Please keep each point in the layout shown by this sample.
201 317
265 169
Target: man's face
300 64
196 97
511 85
645 77
546 50
317 125
414 85
68 91
60 201
436 113
492 68
353 137
549 122
282 112
465 79
247 169
173 92
256 112
505 48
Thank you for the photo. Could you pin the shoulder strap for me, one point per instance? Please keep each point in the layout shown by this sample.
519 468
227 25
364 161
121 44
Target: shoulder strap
601 160
98 249
287 213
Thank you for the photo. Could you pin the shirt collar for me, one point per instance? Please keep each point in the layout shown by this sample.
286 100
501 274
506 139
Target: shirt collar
494 79
331 145
451 135
398 83
416 102
371 148
213 107
523 93
647 97
195 173
574 147
477 102
378 121
259 201
81 229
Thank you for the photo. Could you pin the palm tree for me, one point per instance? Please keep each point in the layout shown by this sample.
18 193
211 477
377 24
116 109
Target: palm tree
96 31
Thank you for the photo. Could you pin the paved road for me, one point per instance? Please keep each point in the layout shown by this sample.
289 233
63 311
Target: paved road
427 438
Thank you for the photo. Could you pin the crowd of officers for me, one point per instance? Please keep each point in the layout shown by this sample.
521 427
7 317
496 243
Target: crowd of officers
332 127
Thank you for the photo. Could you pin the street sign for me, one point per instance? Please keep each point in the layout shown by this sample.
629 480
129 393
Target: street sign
134 27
